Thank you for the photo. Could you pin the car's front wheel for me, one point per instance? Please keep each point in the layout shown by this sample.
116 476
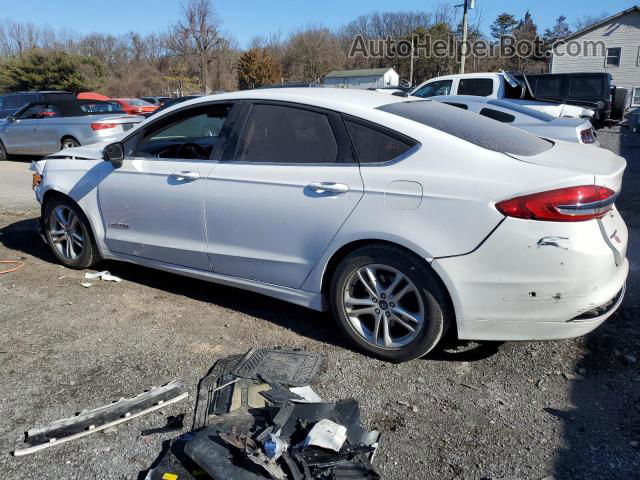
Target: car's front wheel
68 233
390 303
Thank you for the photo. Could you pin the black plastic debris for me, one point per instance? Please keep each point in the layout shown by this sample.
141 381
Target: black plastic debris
294 368
248 426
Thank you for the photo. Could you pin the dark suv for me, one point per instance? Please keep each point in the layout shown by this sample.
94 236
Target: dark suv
10 103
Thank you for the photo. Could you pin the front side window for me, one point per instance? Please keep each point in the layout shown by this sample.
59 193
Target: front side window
441 87
547 86
613 57
280 134
190 134
480 87
32 112
374 146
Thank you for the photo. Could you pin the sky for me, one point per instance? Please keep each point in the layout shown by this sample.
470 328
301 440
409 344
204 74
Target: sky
244 19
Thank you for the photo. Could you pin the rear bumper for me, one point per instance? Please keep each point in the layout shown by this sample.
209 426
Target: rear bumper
537 281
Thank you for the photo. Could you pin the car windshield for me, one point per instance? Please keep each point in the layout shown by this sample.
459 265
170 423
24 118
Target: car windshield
473 128
523 110
136 102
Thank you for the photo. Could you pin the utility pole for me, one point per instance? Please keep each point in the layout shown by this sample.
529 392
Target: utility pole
464 36
465 7
411 68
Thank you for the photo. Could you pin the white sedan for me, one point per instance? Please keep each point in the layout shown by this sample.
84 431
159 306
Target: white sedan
408 219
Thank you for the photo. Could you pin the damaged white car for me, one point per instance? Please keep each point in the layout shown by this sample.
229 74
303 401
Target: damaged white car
406 218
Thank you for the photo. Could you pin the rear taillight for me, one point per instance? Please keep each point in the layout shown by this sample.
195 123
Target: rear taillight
571 204
103 126
588 135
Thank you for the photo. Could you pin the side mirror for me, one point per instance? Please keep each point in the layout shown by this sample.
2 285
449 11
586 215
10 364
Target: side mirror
11 119
114 153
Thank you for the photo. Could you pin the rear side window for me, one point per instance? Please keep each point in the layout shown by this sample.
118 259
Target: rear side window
280 134
12 101
480 87
374 146
547 86
497 115
470 127
586 87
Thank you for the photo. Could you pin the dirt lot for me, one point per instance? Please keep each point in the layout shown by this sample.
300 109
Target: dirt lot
566 409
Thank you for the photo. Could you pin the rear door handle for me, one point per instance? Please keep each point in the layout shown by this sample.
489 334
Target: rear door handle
322 187
185 175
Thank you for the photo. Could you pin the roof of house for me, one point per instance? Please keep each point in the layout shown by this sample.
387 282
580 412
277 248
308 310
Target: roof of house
365 72
635 8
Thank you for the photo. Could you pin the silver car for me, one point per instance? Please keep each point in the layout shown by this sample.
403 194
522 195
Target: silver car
44 128
576 130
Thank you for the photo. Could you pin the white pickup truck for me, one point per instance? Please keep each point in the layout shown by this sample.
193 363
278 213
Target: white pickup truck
495 85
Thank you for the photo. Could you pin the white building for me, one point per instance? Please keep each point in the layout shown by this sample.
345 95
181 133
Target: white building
611 45
367 78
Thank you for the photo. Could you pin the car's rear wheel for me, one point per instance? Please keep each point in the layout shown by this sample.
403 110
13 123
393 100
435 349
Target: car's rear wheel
390 303
3 152
68 233
69 142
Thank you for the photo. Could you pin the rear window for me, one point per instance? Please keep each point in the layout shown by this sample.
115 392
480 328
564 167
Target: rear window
470 127
480 87
374 146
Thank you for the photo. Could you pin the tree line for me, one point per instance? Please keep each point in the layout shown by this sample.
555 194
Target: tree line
195 55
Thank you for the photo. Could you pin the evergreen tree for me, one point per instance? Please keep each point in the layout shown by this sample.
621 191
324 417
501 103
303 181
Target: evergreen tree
256 68
503 25
560 30
51 70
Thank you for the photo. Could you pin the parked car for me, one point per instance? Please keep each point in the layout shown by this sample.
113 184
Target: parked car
407 219
10 103
175 101
43 128
495 85
136 106
578 130
95 106
158 101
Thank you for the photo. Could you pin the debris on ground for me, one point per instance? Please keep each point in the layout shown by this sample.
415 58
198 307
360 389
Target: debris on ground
101 418
105 275
18 266
257 417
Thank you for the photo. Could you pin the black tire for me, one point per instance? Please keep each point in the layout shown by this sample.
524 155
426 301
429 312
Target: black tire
89 255
69 142
619 104
3 152
438 314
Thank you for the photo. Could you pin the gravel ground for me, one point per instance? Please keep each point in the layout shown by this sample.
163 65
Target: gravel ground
530 410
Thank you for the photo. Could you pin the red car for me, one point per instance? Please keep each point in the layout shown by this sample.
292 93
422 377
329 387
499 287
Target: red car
135 106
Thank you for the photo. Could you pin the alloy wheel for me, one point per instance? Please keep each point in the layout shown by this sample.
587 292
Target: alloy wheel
69 143
66 232
383 306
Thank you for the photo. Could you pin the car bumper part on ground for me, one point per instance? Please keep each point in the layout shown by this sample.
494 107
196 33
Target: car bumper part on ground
542 282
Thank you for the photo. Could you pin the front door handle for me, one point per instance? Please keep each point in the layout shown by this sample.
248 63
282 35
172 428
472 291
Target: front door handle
185 175
323 187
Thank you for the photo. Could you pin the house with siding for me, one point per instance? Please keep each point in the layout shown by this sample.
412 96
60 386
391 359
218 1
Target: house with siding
611 45
364 78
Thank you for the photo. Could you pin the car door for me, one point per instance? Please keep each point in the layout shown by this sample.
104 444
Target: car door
21 134
281 194
51 129
153 205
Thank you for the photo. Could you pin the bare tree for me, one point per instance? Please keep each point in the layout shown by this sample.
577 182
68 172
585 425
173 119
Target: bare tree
196 38
312 53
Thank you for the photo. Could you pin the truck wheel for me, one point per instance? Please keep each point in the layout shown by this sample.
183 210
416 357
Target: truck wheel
619 103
